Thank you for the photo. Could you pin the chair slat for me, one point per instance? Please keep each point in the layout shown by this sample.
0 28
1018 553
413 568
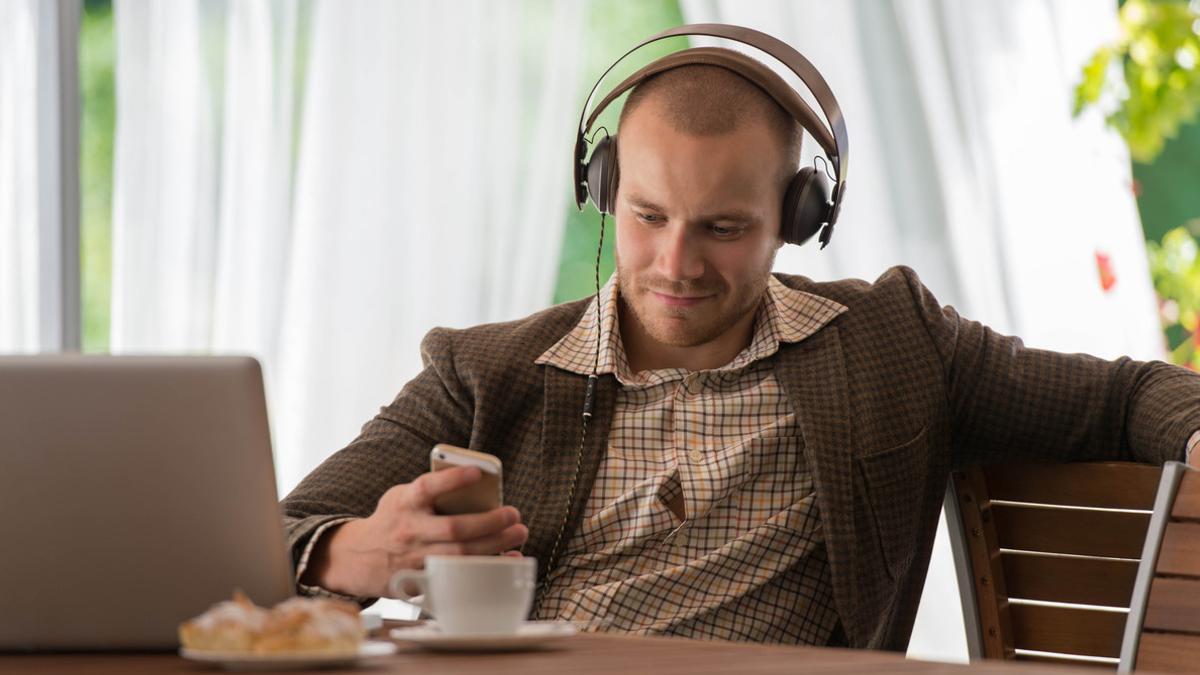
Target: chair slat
1066 661
1054 530
1067 630
1187 500
987 576
1112 485
1168 653
1085 581
1180 552
1174 605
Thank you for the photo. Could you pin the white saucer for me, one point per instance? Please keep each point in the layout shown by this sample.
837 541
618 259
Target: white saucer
367 652
531 635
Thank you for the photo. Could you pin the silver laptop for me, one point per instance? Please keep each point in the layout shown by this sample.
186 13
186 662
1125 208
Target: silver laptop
135 492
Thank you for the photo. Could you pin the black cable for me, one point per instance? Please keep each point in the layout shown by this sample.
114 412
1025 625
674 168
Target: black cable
589 398
587 410
592 141
825 166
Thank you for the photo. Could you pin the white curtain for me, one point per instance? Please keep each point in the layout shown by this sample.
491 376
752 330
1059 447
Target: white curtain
30 259
164 176
430 190
967 166
320 184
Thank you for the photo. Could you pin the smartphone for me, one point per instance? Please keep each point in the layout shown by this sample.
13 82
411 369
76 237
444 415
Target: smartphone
483 495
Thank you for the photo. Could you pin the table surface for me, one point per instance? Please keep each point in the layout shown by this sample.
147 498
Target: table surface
584 653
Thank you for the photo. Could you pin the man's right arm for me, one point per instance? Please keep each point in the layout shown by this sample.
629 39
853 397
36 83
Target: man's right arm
357 557
370 503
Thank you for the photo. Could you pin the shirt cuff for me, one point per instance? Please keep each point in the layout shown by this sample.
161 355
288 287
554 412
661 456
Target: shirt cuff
1192 443
317 591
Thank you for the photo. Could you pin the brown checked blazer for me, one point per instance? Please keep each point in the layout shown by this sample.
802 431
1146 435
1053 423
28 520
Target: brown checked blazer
891 395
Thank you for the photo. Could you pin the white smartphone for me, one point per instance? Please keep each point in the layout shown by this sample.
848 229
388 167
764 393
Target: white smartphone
481 496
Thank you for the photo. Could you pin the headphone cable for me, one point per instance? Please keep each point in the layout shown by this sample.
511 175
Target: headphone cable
589 398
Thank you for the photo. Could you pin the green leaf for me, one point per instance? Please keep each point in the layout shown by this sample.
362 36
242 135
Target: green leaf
1157 88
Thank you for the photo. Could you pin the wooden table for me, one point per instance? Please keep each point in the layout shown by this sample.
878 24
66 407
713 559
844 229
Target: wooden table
585 653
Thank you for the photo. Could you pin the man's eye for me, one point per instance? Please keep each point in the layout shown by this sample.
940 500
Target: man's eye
722 231
649 218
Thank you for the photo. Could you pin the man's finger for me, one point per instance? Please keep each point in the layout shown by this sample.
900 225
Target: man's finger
429 486
506 540
464 527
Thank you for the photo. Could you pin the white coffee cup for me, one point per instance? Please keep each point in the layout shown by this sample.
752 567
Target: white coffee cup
473 594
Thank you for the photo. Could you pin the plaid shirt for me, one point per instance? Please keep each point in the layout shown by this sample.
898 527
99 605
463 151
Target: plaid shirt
745 560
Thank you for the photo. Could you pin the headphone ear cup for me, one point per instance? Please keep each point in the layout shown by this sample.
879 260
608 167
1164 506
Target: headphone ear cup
805 206
603 175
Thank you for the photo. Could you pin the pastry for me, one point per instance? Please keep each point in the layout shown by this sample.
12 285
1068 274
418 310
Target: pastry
311 625
294 626
229 626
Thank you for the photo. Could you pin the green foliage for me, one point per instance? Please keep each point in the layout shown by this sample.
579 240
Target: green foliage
97 63
1148 82
1152 73
1175 268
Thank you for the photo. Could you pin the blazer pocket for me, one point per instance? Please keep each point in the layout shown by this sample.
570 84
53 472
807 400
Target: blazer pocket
893 482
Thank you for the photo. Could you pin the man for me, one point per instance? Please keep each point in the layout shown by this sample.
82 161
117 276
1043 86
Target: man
768 454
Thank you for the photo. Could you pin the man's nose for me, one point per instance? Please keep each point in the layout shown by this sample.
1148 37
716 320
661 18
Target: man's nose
679 257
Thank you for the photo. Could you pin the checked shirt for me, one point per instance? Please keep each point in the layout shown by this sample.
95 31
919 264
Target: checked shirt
702 521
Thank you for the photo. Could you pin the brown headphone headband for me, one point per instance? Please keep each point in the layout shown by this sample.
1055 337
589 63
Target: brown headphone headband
743 65
831 137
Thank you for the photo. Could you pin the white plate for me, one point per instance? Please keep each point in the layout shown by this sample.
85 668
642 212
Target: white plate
368 651
530 635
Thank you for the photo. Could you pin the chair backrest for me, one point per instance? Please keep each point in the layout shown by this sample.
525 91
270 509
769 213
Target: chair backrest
1047 555
1163 632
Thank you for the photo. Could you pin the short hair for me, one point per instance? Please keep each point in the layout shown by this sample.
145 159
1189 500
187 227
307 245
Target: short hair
706 100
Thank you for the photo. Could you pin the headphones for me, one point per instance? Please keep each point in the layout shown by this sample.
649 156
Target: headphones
808 207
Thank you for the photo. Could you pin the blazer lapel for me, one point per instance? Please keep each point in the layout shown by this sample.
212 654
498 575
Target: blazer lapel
562 419
813 374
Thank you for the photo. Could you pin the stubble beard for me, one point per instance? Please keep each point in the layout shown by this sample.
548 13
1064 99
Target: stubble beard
689 326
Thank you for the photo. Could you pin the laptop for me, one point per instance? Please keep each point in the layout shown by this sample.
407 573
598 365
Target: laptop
135 492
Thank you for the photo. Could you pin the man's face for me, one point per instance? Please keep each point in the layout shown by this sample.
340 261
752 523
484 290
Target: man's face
697 225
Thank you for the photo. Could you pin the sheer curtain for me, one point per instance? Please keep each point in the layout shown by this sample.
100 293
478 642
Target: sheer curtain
968 166
30 207
318 184
429 191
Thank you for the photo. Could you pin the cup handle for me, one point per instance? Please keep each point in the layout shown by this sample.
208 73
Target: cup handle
396 588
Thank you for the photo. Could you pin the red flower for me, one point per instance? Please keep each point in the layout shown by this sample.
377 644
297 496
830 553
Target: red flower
1108 279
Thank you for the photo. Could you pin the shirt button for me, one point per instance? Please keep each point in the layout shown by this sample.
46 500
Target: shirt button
696 455
694 385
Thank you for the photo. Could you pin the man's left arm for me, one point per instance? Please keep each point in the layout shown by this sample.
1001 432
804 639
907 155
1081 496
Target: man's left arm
1007 399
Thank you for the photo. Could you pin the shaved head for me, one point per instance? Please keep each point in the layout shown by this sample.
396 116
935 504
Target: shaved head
707 100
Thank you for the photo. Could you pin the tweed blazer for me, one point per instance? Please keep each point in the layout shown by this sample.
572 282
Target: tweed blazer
891 396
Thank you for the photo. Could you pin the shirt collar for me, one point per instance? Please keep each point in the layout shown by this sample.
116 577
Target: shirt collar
786 315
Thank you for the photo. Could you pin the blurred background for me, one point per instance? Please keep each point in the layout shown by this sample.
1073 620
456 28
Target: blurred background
318 183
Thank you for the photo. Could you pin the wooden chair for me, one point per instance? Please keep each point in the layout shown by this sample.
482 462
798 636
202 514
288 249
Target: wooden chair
1047 555
1163 632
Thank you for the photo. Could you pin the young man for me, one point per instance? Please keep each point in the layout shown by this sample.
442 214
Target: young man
767 456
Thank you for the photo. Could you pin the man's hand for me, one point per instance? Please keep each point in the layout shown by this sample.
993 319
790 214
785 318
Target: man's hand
359 556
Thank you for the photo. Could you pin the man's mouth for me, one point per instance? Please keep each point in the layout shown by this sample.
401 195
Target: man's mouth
679 300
